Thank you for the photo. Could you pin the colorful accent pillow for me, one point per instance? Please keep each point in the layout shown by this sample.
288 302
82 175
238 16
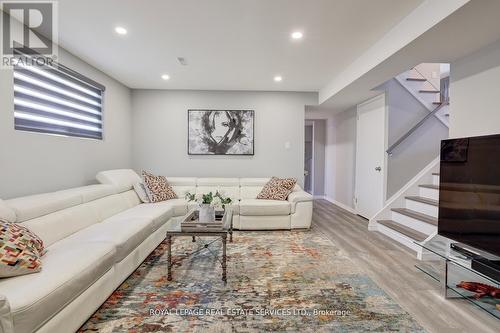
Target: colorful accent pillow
141 192
157 188
277 189
20 250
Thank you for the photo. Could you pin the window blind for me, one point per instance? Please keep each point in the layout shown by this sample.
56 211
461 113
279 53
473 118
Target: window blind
57 100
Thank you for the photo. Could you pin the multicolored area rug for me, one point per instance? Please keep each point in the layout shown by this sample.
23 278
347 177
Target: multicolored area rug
278 281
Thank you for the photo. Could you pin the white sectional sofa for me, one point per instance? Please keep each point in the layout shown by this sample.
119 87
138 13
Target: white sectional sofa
97 235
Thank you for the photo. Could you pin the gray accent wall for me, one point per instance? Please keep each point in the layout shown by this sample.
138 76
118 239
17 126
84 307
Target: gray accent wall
35 163
160 133
419 149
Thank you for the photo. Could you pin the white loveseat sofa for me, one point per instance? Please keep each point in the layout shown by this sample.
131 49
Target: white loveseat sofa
97 235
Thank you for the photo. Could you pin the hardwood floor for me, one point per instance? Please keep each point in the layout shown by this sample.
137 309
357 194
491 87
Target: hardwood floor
391 266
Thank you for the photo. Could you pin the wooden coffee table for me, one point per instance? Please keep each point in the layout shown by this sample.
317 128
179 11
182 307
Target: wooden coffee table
193 228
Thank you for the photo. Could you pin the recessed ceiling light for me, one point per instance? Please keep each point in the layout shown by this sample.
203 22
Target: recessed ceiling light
165 77
278 78
297 35
121 30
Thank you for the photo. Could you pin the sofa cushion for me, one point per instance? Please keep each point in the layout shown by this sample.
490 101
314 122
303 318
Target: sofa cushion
20 250
235 207
159 213
179 206
91 192
260 207
7 214
182 185
124 233
164 209
251 187
34 206
157 187
68 270
122 179
140 190
228 187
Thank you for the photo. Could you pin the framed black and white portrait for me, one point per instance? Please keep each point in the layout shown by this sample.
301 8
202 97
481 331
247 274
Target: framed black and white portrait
221 132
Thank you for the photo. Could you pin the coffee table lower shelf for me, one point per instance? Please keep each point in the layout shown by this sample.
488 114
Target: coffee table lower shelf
223 238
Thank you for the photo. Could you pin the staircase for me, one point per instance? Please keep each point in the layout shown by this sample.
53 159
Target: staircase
411 215
426 84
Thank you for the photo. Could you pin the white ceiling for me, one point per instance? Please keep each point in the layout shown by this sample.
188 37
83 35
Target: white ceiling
483 29
228 44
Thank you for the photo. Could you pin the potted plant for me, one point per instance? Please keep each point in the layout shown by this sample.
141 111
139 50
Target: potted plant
208 203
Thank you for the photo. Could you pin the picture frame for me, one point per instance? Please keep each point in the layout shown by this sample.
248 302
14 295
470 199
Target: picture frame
221 132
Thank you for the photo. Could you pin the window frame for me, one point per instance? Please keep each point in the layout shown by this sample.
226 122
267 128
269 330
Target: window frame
71 76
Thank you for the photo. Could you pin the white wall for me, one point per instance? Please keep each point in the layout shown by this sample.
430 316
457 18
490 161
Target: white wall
475 93
34 163
340 155
419 149
160 133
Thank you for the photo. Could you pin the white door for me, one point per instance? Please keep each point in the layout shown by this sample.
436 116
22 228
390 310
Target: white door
370 156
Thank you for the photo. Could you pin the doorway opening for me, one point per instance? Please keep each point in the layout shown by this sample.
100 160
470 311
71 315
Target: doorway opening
314 157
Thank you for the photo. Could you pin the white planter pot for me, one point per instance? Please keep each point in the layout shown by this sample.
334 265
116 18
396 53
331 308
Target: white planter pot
207 213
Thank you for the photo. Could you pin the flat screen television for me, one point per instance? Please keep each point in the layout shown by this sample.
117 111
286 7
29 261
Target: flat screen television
469 192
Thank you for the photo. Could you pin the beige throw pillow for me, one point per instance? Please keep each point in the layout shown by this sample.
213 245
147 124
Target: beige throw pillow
157 188
277 189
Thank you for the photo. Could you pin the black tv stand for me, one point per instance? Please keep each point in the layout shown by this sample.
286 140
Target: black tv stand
490 268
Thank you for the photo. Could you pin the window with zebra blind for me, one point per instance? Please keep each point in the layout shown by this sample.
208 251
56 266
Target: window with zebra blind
57 100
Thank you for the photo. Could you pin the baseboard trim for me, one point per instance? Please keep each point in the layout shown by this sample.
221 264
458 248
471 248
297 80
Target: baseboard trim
341 205
372 226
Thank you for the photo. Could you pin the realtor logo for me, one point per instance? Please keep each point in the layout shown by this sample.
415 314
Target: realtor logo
29 29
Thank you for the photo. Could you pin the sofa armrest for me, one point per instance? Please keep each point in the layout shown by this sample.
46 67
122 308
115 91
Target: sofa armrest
301 208
299 196
6 324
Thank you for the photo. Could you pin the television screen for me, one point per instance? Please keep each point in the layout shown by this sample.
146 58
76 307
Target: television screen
469 192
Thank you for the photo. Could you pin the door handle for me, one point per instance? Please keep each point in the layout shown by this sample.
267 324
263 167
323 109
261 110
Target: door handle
378 169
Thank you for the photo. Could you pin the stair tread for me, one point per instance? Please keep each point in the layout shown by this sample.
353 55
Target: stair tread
408 232
432 186
416 215
423 200
415 79
430 91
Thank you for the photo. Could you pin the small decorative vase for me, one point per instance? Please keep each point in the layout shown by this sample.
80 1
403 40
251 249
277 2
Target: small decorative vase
207 213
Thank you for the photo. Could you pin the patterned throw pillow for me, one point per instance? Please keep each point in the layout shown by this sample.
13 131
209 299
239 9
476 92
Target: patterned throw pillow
277 189
20 250
157 187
